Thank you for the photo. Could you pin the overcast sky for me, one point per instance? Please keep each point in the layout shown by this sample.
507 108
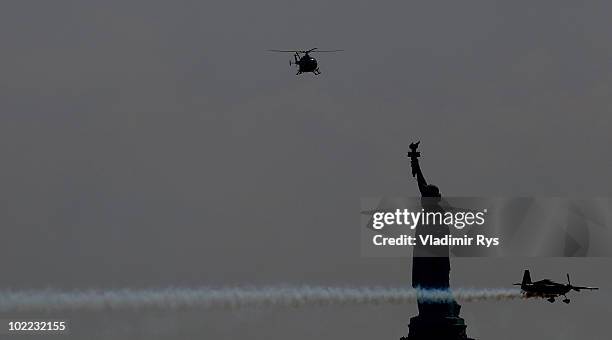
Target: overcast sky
157 143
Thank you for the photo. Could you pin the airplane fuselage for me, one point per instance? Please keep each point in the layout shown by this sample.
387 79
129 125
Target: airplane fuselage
545 290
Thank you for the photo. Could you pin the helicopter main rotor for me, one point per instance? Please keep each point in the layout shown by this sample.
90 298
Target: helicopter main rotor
315 49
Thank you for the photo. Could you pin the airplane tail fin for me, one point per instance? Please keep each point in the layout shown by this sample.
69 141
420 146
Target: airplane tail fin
526 277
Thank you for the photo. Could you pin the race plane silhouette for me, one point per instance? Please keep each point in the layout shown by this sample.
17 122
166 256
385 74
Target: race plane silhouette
547 289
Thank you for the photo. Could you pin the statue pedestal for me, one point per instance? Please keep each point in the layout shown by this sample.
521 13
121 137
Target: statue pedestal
438 328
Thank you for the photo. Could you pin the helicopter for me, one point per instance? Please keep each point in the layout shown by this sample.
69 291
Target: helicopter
304 61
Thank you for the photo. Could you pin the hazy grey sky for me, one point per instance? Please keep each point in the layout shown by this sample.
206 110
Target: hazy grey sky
156 143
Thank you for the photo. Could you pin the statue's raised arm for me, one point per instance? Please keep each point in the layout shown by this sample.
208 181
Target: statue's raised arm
426 190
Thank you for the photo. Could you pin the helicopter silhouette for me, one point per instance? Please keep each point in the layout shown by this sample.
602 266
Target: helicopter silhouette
304 61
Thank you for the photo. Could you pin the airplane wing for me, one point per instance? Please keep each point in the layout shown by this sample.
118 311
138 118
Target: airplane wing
580 288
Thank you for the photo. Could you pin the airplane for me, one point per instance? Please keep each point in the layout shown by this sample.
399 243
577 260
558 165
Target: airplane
547 289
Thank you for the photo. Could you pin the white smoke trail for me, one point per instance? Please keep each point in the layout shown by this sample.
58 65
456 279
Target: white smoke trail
234 298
